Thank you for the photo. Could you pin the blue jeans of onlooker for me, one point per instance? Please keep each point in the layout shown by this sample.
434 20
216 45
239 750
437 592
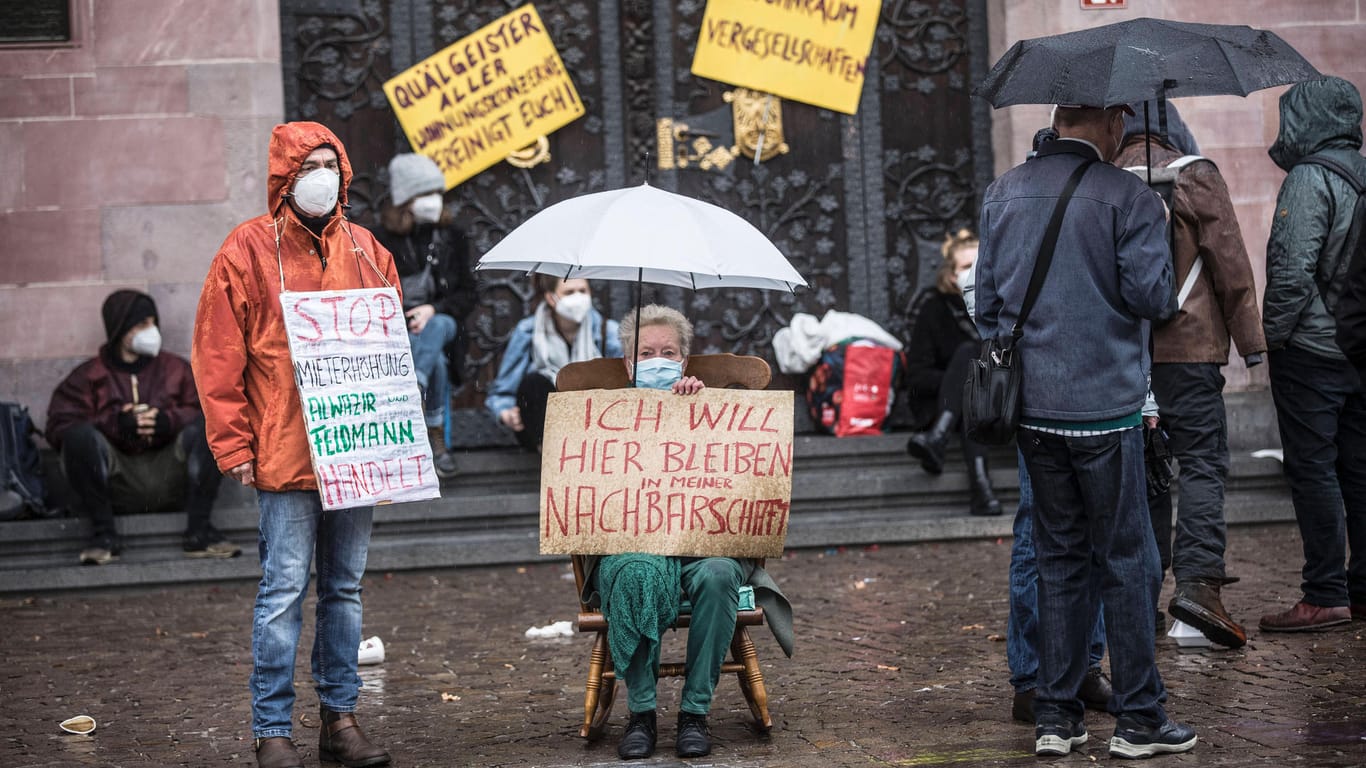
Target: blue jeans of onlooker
293 529
1321 411
1191 399
429 363
1022 650
1095 546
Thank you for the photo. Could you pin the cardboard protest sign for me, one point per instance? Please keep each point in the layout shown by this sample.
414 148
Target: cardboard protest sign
813 51
641 470
484 96
362 409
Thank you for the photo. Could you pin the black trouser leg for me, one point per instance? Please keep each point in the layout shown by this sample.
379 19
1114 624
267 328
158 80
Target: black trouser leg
532 394
85 460
955 376
201 478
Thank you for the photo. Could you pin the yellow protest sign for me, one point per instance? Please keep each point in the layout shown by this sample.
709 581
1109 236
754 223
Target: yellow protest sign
479 99
640 470
813 51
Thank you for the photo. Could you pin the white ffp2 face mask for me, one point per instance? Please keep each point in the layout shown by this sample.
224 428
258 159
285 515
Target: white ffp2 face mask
574 307
427 208
146 342
315 193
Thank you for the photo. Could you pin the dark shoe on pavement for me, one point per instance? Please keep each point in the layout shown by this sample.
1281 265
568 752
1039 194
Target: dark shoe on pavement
1197 603
212 543
1131 740
100 550
340 740
277 752
1159 623
1304 617
1359 611
1095 690
638 742
442 460
1022 706
929 446
1057 738
693 740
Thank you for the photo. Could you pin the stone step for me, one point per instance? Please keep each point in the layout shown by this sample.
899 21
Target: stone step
846 492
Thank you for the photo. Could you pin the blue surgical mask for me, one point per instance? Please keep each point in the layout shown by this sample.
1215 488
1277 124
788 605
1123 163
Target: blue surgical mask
658 373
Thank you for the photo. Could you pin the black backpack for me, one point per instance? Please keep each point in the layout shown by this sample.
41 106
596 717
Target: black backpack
1343 288
21 467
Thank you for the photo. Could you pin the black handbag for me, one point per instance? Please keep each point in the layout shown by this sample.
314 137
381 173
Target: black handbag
991 394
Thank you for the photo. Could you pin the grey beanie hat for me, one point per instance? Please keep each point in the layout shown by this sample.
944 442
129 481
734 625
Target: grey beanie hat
411 175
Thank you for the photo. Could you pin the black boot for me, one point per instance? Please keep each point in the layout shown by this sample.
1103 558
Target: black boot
694 739
929 445
638 742
984 501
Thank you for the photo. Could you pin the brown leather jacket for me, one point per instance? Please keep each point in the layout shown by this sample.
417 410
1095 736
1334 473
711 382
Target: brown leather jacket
1223 302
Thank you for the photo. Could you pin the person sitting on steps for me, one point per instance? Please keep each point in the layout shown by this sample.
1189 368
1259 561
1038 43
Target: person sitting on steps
942 345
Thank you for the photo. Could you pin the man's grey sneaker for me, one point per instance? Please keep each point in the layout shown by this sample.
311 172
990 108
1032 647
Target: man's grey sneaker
1058 738
1132 740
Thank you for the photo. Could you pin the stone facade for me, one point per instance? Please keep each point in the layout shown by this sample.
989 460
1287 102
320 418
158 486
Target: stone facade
130 153
1233 132
127 156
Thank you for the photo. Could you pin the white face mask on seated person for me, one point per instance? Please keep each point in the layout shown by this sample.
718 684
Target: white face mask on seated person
658 373
574 307
315 193
146 342
427 208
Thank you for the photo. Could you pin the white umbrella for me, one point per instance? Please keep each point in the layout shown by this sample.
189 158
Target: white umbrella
644 234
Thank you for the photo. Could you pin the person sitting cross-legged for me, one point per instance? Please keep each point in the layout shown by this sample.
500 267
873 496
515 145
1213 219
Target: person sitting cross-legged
639 593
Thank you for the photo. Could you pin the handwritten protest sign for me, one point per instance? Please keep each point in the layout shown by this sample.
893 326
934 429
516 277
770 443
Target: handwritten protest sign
485 96
362 409
813 51
640 470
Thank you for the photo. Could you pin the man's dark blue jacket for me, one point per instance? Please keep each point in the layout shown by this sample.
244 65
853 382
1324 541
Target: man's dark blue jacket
1085 347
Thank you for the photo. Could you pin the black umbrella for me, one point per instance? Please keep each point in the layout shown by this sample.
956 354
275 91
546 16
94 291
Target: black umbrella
1142 59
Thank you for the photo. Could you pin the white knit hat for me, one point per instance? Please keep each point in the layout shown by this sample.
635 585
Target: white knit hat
411 175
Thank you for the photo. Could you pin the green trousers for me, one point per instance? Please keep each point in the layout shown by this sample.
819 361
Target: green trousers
711 585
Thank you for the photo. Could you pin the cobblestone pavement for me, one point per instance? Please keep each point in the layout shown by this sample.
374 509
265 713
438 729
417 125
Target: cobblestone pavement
900 662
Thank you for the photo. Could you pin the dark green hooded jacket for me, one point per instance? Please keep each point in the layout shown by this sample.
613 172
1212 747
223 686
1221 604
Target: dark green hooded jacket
1313 214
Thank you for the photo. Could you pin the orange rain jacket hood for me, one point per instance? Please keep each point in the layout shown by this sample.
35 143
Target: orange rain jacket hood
241 359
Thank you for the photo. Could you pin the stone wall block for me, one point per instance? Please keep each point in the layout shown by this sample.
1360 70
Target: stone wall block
236 89
133 91
1262 14
130 32
55 321
31 382
79 164
248 144
50 246
163 243
11 165
35 97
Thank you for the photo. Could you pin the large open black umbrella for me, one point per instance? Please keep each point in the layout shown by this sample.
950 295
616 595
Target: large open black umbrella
1142 59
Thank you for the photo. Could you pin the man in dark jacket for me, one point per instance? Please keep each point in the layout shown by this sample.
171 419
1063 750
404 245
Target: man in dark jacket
1320 405
131 435
1218 298
1085 364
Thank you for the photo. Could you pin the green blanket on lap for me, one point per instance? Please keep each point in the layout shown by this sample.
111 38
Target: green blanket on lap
629 601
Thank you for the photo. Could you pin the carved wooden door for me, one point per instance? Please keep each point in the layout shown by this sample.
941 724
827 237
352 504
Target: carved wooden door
859 204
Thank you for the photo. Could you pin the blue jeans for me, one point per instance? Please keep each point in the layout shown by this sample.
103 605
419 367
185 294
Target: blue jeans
429 364
1321 412
294 528
1022 650
1095 546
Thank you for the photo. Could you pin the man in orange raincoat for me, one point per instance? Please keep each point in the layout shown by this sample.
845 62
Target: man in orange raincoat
245 377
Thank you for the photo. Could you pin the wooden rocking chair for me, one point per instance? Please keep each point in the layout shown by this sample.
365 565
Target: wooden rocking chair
723 371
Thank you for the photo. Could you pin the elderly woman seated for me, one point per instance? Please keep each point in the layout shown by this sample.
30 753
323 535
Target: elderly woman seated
640 593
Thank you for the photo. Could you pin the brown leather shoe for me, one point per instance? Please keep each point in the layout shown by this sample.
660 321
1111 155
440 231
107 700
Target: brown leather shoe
1304 617
1197 603
277 752
340 740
